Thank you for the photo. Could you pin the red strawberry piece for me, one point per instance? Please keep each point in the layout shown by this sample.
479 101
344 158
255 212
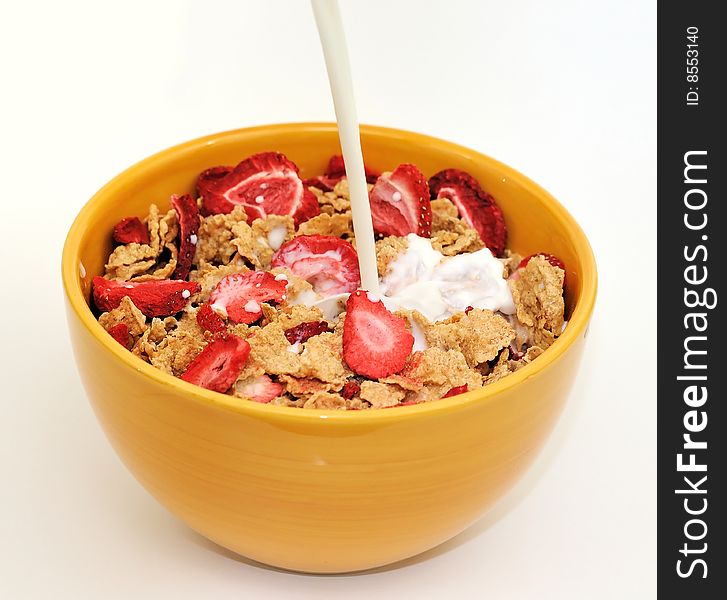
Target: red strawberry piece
476 207
217 367
551 258
303 332
336 171
264 184
456 391
120 332
350 389
260 389
131 230
208 177
240 295
515 354
154 298
376 343
209 320
468 309
328 263
400 203
188 219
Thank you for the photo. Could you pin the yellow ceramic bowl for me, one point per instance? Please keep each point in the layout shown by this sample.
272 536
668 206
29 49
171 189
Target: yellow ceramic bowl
323 491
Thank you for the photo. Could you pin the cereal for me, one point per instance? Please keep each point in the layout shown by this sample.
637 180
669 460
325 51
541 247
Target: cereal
479 335
214 238
387 250
337 224
279 348
538 295
381 395
127 314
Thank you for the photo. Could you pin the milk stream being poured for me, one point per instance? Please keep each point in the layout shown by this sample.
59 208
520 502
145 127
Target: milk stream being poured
333 41
421 278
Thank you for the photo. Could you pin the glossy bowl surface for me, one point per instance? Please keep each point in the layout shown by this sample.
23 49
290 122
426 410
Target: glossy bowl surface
323 491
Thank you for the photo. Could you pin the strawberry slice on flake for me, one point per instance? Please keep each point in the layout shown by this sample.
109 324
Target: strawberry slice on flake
130 230
120 332
456 391
328 263
240 295
476 207
188 218
376 343
259 389
350 389
336 171
210 176
400 203
220 363
303 332
154 298
209 320
264 184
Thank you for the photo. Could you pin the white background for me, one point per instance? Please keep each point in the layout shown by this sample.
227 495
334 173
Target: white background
563 91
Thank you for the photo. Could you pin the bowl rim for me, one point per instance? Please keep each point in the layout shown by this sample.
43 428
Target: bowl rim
577 324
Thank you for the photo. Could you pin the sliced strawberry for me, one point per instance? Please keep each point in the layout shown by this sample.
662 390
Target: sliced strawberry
336 171
217 367
303 332
265 184
240 295
155 298
209 320
131 230
259 389
210 176
456 391
120 332
350 389
478 209
551 258
376 343
188 219
328 263
400 203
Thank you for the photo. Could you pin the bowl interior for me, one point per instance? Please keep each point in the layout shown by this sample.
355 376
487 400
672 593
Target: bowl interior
536 221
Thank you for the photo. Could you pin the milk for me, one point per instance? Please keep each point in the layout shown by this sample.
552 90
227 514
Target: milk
333 41
421 278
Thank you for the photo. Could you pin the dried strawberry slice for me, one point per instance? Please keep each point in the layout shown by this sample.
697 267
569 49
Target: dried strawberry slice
130 230
264 184
336 171
328 263
456 391
259 389
188 219
155 298
400 203
478 209
120 332
240 295
376 343
217 367
209 320
551 258
303 332
350 389
210 176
